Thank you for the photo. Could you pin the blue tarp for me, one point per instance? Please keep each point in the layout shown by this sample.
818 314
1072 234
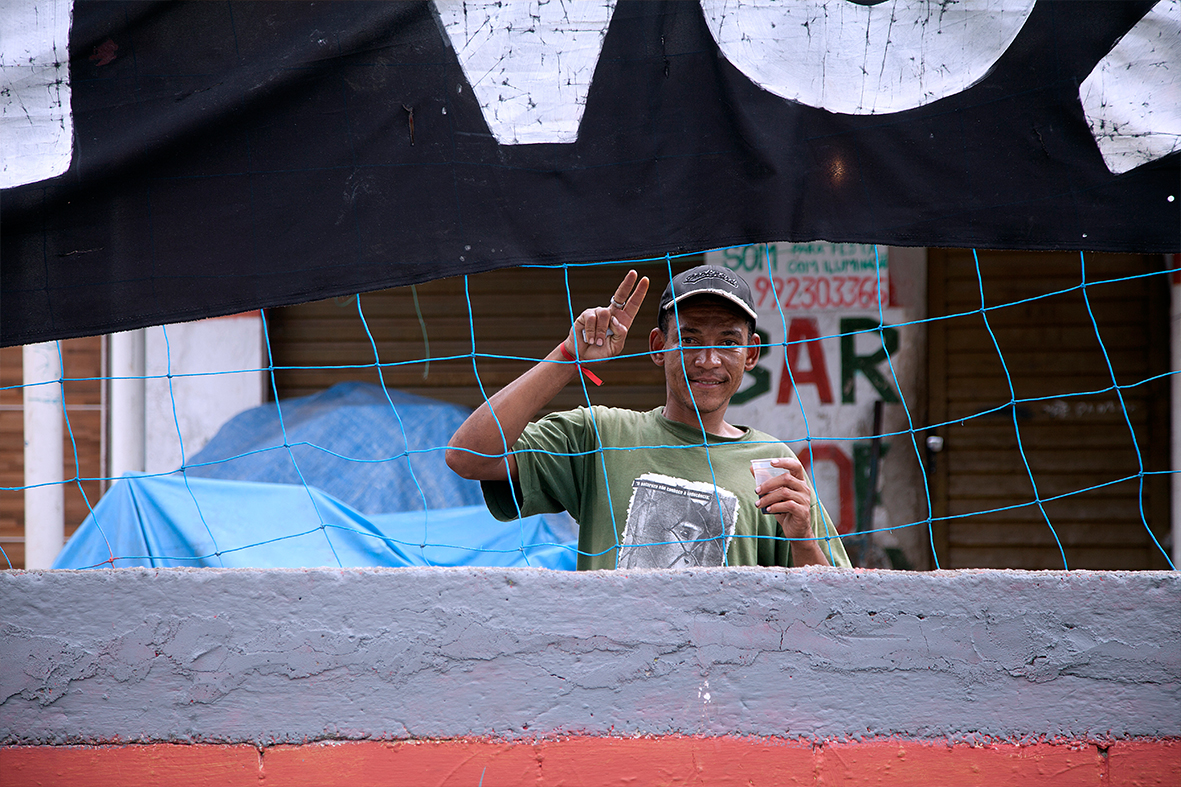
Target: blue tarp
174 521
346 487
349 442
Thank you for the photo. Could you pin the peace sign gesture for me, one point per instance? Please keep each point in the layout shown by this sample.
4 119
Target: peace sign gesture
600 331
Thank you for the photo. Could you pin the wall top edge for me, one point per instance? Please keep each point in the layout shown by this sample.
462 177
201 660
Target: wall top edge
856 574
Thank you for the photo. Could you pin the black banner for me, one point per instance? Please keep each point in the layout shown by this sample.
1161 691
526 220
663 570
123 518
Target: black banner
236 155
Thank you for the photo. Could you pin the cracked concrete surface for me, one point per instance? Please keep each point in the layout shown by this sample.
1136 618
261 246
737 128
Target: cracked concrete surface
291 656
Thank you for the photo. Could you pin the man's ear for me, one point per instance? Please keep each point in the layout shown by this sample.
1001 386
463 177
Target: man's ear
753 350
656 343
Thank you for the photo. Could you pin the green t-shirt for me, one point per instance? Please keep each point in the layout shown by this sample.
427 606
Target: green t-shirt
659 505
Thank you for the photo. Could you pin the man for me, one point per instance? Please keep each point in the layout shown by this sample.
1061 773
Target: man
671 486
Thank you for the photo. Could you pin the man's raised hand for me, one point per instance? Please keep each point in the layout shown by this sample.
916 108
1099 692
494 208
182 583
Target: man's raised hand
478 447
599 332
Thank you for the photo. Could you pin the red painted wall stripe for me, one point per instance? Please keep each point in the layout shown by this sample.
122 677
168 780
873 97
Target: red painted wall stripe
605 762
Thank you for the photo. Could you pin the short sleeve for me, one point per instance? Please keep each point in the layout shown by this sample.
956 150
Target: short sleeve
552 455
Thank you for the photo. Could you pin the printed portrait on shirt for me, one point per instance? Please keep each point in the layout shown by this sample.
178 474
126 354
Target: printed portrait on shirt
675 523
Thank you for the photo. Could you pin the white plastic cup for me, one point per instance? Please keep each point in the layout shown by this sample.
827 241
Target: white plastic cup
764 472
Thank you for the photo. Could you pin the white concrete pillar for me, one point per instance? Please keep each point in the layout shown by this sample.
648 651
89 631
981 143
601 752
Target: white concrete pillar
127 403
216 367
44 492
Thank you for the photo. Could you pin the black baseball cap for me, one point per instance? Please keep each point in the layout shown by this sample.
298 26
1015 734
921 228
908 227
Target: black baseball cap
710 280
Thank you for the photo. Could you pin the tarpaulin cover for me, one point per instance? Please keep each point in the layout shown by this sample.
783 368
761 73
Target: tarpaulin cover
376 454
174 521
190 159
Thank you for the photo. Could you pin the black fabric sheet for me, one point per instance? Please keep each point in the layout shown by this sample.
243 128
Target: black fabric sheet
236 155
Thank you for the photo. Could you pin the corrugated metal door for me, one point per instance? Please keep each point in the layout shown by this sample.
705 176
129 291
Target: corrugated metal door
1058 447
518 314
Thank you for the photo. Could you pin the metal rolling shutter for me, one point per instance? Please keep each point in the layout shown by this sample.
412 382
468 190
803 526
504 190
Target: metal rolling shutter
1071 426
518 314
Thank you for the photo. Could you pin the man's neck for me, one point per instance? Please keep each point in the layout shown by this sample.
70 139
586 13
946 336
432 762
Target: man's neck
713 423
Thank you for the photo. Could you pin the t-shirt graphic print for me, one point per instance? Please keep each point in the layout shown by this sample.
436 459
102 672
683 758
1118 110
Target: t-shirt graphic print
676 523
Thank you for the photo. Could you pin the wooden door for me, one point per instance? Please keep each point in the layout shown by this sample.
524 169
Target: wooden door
424 338
1055 425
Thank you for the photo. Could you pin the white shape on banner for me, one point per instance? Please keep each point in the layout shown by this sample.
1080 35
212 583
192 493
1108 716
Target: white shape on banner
36 126
530 64
1133 97
864 59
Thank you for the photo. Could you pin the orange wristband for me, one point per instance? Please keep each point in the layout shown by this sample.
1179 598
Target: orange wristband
594 378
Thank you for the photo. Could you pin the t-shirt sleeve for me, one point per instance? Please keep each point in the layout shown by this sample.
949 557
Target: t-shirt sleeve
823 527
834 547
551 455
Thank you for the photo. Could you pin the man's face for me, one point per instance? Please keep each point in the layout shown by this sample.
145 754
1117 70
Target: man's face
704 356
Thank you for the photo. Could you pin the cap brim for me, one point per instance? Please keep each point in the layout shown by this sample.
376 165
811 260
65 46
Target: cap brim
719 293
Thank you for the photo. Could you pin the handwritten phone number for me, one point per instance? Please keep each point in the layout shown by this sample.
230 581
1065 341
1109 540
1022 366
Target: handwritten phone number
820 292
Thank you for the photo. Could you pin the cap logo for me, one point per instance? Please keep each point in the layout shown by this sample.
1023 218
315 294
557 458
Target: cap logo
697 276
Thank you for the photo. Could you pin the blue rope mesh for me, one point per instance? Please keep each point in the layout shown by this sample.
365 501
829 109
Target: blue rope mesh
525 543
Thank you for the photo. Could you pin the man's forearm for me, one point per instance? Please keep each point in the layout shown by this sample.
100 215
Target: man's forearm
478 449
808 553
808 550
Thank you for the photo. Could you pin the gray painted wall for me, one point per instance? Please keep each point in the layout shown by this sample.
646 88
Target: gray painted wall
269 656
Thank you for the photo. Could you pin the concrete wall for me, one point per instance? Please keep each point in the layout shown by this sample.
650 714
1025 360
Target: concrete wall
812 655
